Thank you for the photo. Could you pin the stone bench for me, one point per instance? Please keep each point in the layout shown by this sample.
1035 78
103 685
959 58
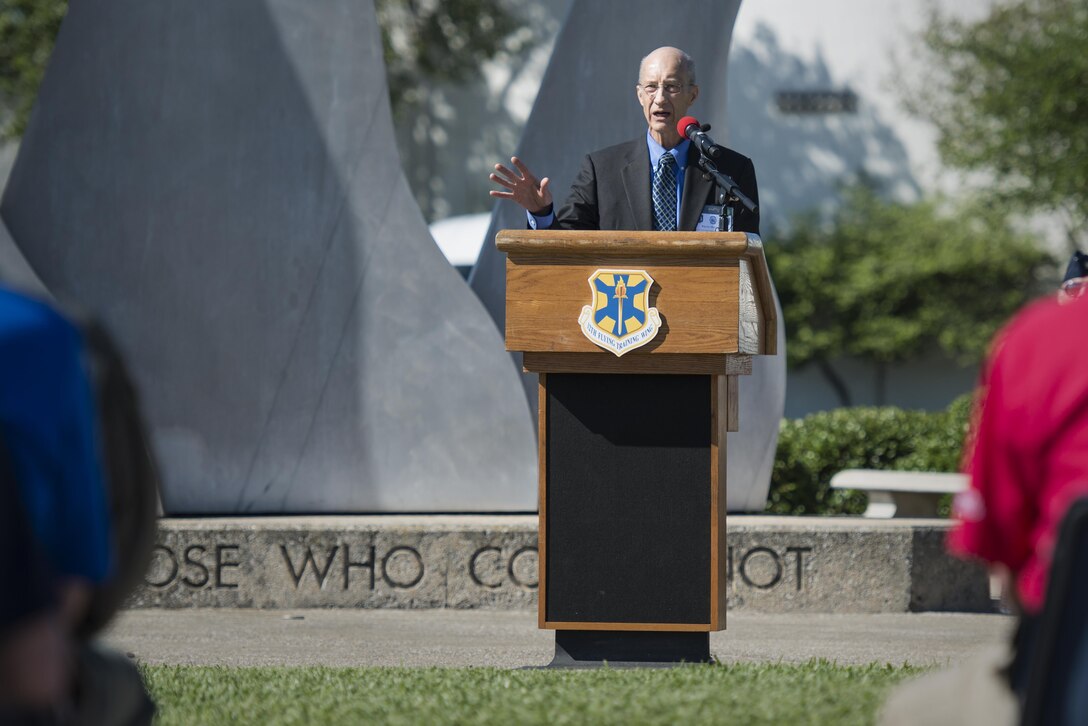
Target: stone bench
900 493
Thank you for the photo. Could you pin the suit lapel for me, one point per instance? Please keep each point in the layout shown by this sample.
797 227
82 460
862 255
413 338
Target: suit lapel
696 189
636 182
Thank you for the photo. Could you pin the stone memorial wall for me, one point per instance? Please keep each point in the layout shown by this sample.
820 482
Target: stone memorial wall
775 564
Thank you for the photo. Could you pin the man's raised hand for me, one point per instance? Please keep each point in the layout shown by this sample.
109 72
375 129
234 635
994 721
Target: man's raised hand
532 195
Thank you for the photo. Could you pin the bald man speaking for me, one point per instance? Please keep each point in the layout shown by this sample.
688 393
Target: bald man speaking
649 183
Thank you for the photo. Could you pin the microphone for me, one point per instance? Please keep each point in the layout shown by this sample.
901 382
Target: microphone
690 127
710 154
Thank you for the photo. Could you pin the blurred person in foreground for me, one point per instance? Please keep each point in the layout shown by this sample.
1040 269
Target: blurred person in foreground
35 653
76 529
1027 458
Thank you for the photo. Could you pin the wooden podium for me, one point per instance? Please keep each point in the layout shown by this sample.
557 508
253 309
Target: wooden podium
639 339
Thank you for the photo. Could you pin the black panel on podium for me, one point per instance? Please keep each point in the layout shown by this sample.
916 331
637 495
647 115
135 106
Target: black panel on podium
628 495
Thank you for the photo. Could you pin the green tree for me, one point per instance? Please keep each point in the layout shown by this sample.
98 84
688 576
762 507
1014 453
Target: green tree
1007 95
427 42
28 29
886 282
435 53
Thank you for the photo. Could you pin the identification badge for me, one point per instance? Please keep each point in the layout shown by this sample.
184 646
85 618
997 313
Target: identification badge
715 218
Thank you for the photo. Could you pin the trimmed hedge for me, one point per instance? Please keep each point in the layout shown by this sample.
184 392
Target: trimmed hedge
814 448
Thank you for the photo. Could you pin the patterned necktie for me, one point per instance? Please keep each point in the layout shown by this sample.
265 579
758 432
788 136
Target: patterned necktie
665 194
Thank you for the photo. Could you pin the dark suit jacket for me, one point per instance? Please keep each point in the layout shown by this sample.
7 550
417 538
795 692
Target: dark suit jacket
612 191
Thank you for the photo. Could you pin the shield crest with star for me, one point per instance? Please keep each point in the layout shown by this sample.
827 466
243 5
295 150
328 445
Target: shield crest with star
619 317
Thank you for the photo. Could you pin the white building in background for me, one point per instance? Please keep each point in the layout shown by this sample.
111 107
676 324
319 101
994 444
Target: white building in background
813 99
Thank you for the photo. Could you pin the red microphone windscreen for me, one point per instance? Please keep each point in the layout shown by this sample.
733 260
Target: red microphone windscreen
682 125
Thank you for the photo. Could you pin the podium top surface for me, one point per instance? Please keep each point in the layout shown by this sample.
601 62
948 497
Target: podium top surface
710 296
594 242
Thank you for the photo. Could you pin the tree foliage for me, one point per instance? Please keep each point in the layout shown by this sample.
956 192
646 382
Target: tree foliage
435 57
1008 96
28 29
887 282
439 41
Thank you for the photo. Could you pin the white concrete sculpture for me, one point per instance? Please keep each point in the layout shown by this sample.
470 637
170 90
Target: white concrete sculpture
219 182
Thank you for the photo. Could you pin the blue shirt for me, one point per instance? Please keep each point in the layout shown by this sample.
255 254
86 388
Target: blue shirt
48 427
679 152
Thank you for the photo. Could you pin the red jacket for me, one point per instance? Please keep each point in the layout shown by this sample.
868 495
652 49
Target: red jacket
1027 452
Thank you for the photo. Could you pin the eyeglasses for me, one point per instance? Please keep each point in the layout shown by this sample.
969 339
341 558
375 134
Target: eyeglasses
671 89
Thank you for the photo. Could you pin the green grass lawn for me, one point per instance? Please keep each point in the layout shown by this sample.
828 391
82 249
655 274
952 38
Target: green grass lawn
812 693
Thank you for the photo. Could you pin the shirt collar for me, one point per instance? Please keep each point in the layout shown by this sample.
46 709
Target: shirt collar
679 152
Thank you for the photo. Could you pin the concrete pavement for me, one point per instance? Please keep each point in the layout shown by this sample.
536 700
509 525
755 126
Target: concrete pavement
509 639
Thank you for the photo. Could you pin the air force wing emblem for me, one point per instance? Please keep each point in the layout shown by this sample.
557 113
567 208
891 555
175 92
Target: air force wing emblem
620 317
